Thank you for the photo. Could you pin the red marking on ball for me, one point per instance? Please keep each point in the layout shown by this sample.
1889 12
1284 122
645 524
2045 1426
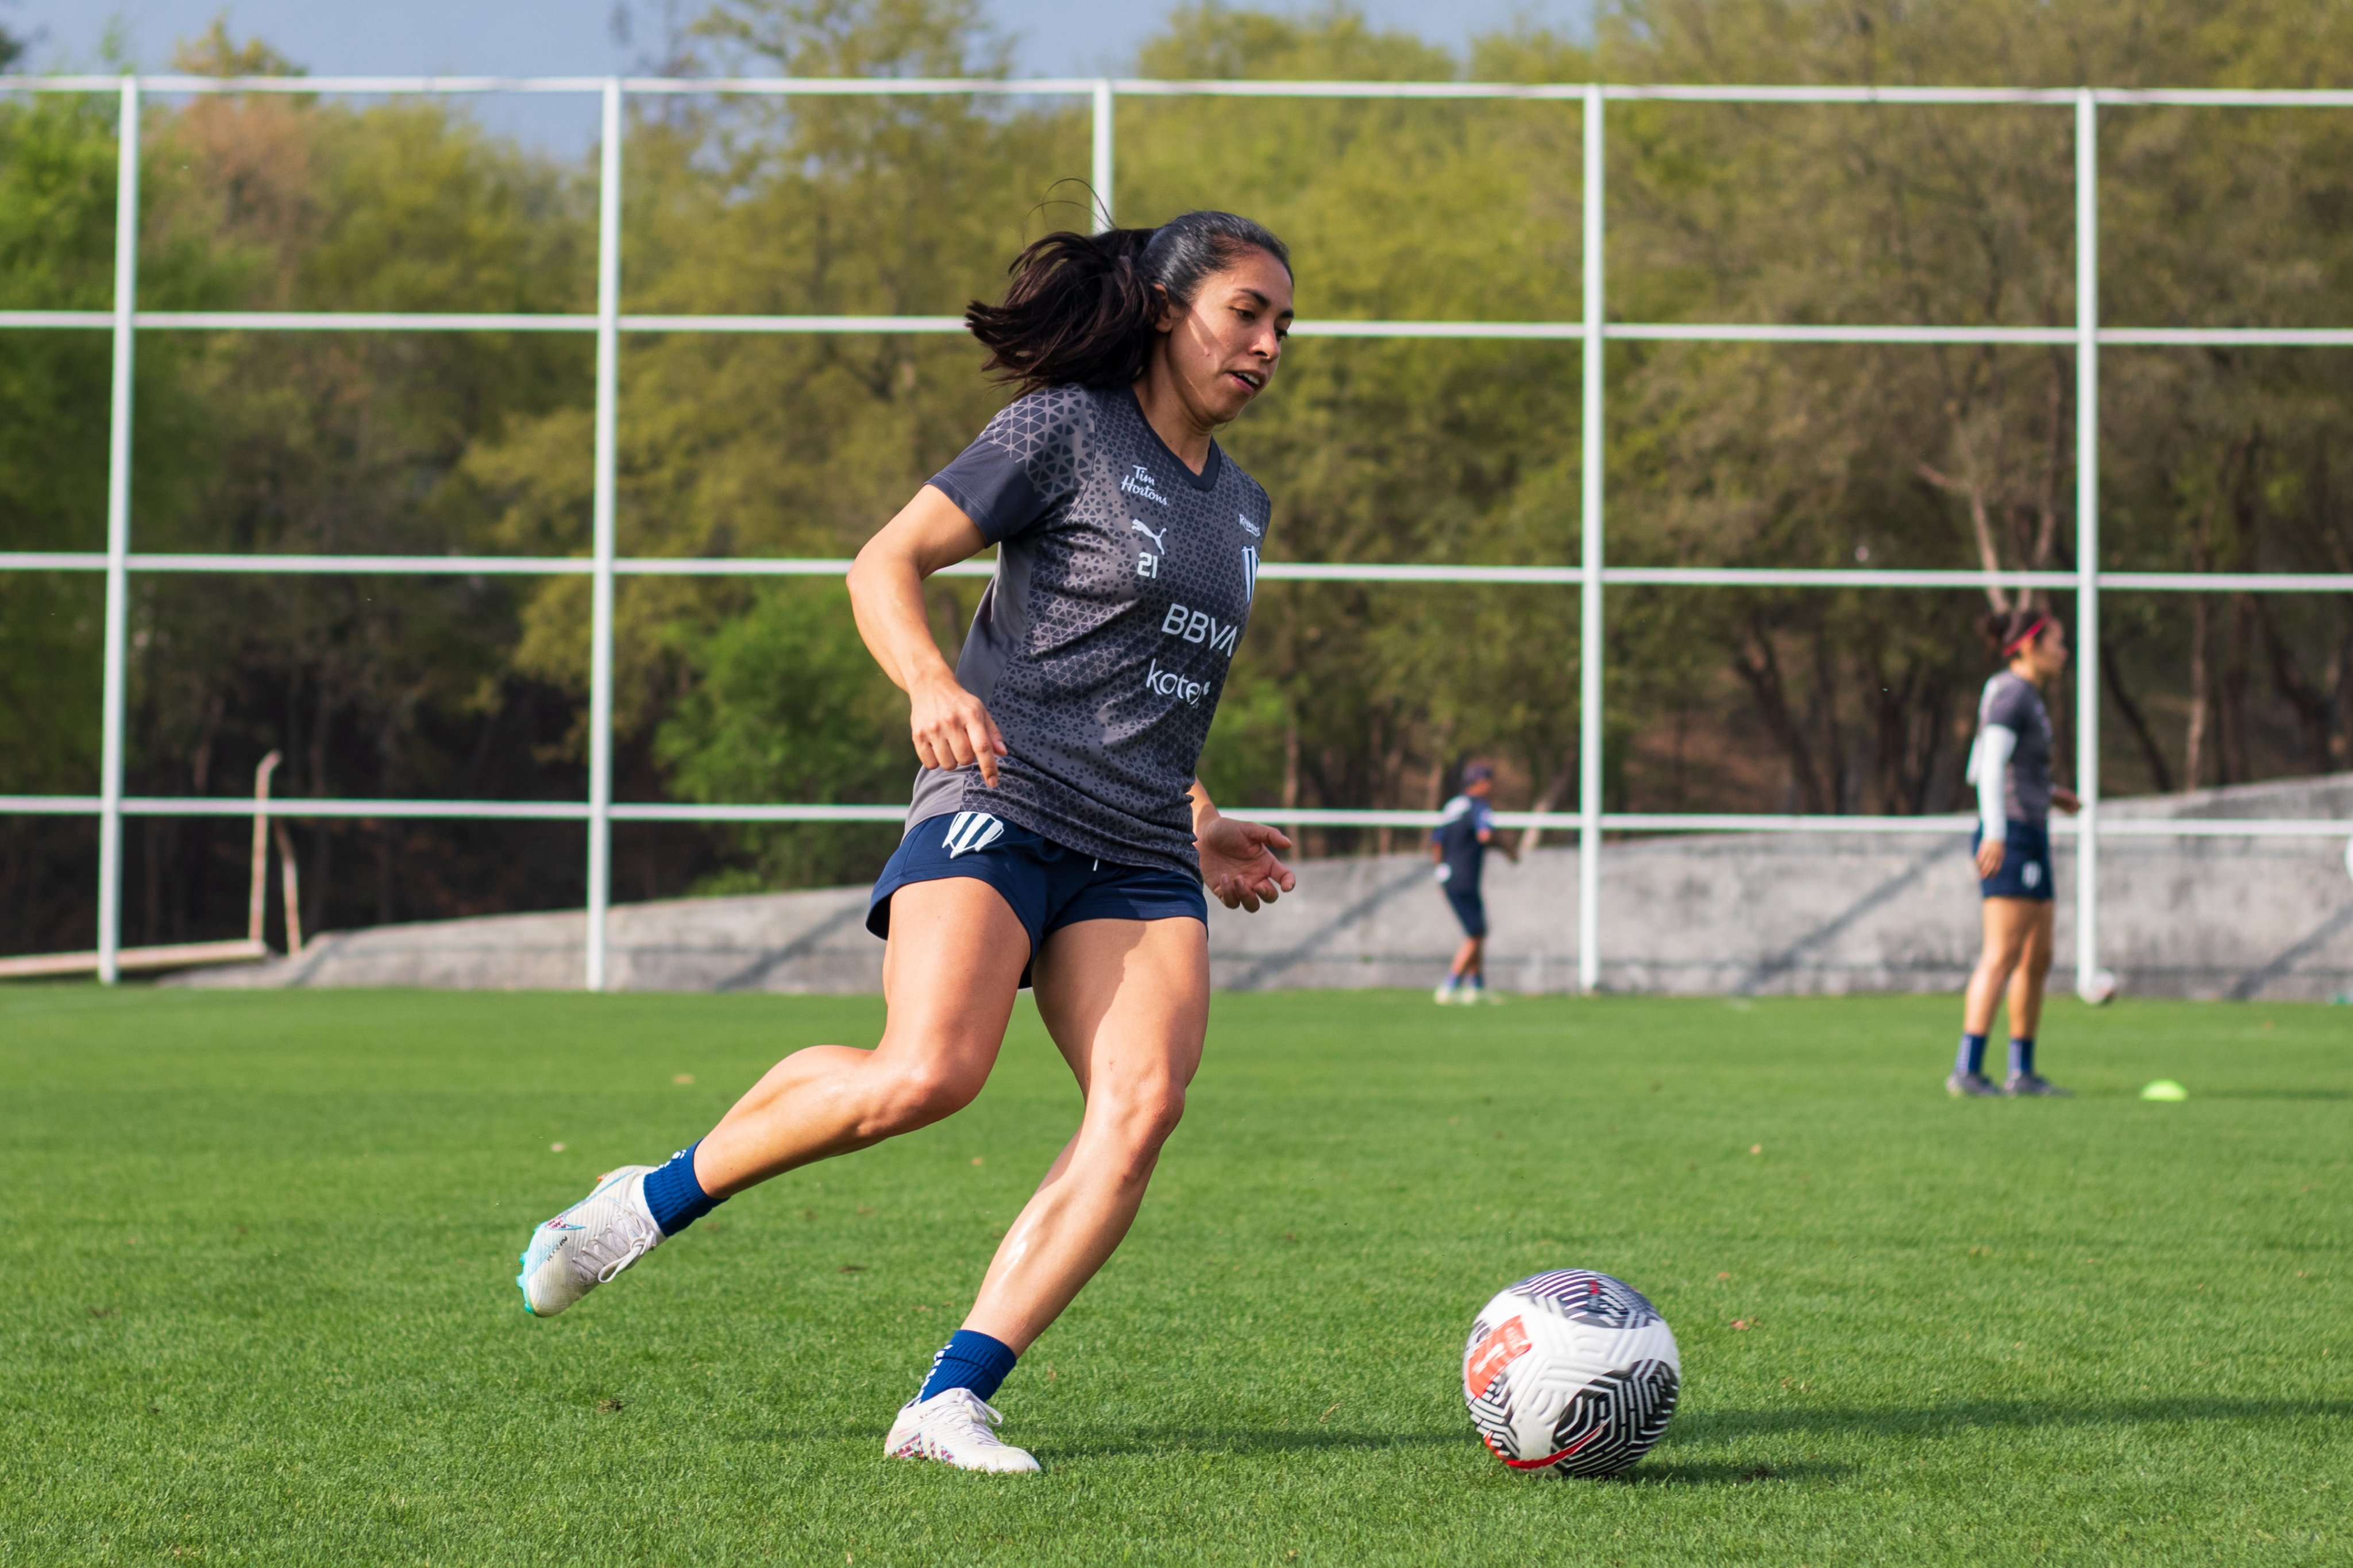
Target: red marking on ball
1503 1345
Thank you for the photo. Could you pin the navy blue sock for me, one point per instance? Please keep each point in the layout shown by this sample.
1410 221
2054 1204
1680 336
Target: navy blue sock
969 1360
1972 1055
677 1199
2022 1056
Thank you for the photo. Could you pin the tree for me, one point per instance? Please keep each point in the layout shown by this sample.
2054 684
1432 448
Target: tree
1396 450
753 447
1953 457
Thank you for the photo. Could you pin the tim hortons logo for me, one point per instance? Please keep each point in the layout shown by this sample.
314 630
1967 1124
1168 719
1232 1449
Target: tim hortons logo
1139 483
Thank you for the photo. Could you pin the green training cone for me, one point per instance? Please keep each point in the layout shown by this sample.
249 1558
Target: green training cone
2165 1088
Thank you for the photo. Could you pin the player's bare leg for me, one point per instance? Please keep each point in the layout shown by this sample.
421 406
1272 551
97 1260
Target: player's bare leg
2008 925
2033 969
1128 1005
1470 965
947 1014
2026 987
946 1022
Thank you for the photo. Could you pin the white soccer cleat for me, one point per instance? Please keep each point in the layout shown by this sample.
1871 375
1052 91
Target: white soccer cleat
588 1242
1444 996
954 1428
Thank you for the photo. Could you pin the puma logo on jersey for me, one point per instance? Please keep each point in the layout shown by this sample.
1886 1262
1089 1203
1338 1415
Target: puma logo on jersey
1249 527
1197 626
972 830
1159 539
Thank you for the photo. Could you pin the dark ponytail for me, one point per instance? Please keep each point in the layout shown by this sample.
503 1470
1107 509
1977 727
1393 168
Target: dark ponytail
2008 631
1082 307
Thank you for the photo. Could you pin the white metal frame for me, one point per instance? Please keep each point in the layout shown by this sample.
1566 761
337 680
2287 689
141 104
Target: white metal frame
1590 577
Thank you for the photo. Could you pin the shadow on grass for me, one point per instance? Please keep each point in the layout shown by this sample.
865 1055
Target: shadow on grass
1650 1472
1723 1426
1313 1440
1723 1473
1962 1414
2337 1094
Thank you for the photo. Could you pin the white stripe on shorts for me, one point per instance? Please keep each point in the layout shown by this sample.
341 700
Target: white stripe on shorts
971 830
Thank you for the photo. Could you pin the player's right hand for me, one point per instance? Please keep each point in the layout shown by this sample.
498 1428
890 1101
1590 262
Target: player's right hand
951 728
1989 857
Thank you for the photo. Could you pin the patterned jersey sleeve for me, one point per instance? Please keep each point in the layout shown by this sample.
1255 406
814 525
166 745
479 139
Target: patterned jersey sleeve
1021 467
2010 703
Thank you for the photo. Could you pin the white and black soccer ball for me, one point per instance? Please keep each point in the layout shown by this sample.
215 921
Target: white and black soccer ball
1570 1373
2101 990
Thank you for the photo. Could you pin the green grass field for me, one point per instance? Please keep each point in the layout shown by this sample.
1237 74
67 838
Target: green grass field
257 1300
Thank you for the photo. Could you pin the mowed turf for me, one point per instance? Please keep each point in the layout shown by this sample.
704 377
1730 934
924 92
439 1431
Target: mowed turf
257 1300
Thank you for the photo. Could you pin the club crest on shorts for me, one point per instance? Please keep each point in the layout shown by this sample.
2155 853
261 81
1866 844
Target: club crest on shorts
972 830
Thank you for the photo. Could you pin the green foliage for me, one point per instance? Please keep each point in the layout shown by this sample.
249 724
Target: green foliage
350 443
258 1305
764 445
1374 450
786 704
1399 450
56 197
279 442
1964 455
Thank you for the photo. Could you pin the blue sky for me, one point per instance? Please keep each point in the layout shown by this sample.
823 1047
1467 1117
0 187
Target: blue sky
564 38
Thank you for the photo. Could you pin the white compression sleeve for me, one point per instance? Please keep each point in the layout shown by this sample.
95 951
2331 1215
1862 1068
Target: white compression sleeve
1995 744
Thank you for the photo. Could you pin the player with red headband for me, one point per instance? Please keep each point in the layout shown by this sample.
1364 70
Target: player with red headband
2010 765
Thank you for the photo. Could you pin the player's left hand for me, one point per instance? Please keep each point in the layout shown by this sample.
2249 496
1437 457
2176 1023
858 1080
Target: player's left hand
1238 863
2067 800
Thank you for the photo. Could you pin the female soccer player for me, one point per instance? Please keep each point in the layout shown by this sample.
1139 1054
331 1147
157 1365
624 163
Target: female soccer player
2011 767
1058 831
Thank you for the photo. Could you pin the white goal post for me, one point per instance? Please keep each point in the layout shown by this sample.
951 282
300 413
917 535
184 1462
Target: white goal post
1589 576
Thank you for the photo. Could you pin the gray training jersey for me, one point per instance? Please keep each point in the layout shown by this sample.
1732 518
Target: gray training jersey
1124 581
2018 707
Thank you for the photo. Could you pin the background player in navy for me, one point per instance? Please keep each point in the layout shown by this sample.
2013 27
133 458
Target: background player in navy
2010 765
1466 831
1058 834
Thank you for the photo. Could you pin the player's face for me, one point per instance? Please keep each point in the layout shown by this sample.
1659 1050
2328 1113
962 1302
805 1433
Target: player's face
1224 347
2048 653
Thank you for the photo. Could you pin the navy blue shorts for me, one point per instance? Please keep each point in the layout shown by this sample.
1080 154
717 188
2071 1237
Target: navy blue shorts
2025 863
1049 887
1470 909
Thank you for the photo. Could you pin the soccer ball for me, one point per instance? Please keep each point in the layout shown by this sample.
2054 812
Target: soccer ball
2101 990
1571 1374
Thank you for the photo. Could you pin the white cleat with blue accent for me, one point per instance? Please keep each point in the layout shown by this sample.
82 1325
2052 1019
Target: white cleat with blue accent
588 1242
954 1428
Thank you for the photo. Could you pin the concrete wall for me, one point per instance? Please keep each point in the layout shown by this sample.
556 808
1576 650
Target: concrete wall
1743 913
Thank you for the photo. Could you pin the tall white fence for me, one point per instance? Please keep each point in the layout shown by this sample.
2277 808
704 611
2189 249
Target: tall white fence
1590 577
